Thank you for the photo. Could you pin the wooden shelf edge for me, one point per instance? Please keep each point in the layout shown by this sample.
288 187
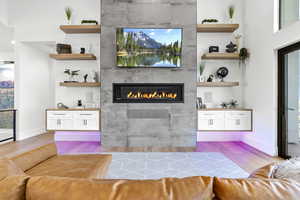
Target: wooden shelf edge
218 84
217 28
80 84
80 29
73 56
221 56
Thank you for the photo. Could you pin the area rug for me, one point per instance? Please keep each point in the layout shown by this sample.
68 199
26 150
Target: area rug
160 165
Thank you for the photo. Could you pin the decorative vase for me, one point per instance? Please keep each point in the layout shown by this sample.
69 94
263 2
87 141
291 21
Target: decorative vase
202 79
69 22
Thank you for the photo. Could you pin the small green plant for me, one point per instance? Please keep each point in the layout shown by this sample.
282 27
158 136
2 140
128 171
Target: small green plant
68 12
209 21
201 68
231 11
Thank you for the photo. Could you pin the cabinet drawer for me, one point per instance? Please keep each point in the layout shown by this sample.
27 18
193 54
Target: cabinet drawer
238 115
211 114
86 115
59 115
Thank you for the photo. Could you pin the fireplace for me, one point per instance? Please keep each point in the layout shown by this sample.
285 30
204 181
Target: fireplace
148 93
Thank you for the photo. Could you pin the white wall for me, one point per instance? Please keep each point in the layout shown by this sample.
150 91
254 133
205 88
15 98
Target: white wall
3 12
219 10
32 90
261 71
36 25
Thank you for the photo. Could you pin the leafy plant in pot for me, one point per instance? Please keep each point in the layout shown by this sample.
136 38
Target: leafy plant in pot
201 71
68 12
243 55
231 11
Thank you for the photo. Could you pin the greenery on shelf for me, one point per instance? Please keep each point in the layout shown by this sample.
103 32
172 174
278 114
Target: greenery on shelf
231 12
68 12
209 21
201 68
244 55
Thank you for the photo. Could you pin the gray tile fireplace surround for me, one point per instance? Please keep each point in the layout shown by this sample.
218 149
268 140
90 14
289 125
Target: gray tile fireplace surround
160 124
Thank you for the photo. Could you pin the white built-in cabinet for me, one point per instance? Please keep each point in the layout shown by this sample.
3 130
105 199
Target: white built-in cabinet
73 120
225 120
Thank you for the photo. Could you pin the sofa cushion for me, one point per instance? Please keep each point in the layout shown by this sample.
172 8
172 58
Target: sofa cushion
13 188
289 169
8 168
258 189
30 159
264 172
54 188
73 166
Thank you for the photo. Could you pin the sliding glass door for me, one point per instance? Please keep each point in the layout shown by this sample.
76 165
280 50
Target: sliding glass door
289 101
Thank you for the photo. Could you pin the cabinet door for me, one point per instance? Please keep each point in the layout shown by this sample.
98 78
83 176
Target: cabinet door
211 121
87 120
238 120
59 120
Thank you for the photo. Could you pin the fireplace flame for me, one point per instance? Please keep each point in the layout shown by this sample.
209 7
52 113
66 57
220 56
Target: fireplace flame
153 95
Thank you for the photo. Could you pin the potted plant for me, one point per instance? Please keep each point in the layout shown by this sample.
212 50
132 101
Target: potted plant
68 12
201 71
231 12
243 55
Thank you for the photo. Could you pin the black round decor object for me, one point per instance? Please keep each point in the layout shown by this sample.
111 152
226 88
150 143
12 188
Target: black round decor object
222 73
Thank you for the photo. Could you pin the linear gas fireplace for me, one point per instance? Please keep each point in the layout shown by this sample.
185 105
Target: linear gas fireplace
148 93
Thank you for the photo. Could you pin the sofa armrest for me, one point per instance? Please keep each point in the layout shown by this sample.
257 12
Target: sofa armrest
29 159
265 172
13 187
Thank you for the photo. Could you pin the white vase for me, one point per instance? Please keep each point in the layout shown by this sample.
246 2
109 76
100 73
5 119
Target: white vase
69 22
201 78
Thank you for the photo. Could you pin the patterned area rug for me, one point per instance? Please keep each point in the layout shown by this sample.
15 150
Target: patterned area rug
161 165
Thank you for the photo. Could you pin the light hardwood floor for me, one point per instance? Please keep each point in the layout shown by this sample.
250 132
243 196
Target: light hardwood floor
243 155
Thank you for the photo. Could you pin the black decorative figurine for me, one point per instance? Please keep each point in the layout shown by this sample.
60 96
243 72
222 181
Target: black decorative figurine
85 78
222 73
231 48
210 78
79 103
82 50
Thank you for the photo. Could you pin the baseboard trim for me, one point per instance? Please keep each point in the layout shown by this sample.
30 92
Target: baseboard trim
22 135
265 148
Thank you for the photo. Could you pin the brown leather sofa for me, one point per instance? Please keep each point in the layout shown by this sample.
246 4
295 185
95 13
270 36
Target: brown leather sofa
16 185
44 161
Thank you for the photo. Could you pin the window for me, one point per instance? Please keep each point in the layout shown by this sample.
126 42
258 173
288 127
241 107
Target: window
289 12
6 100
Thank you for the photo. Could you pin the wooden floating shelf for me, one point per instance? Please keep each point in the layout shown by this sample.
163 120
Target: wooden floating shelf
221 56
75 84
78 29
218 84
217 28
73 56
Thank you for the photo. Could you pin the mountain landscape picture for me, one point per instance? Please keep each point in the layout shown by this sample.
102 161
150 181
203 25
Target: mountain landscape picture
149 47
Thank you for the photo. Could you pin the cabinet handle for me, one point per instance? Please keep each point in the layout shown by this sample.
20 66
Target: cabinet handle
58 122
238 122
84 122
211 122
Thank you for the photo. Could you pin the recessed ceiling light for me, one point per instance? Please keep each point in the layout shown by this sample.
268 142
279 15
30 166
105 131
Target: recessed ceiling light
13 42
